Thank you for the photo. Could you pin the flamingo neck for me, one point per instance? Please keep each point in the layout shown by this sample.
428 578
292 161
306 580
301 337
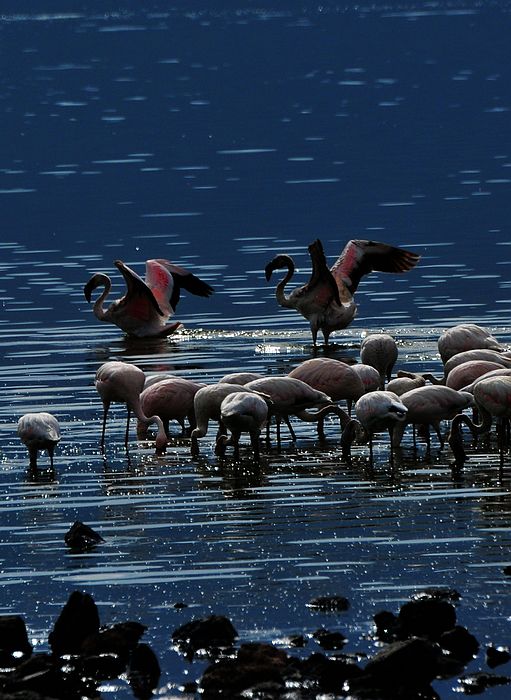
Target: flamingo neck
99 311
161 436
280 293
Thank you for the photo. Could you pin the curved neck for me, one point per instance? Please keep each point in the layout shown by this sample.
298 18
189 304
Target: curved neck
161 436
99 311
280 288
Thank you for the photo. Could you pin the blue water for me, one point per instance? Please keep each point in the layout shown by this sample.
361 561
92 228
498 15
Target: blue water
216 137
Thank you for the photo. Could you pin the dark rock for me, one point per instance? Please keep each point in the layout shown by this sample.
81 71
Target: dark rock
413 663
81 537
507 570
439 594
495 656
180 606
78 620
254 664
426 617
208 633
14 644
100 667
297 640
120 639
335 603
476 683
386 626
143 672
40 674
326 674
460 643
329 640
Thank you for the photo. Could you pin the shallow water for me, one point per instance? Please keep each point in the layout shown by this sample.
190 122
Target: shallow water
217 139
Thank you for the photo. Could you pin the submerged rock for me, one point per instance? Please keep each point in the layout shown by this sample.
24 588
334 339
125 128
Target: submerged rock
81 537
210 633
78 620
143 671
14 644
476 683
496 656
335 603
329 640
460 643
426 617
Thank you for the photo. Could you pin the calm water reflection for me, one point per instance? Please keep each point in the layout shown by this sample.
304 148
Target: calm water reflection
217 139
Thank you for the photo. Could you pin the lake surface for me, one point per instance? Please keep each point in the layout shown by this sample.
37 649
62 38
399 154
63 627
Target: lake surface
216 138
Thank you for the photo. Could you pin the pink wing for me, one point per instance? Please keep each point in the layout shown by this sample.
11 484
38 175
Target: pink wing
361 257
160 281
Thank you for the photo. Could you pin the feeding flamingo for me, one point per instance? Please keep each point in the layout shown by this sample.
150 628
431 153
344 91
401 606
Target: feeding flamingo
242 413
466 336
327 298
429 405
148 304
39 431
120 381
380 351
333 377
493 399
170 399
207 404
375 411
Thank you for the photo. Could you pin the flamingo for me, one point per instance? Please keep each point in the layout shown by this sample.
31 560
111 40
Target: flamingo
369 375
501 359
428 405
120 381
242 412
493 399
401 384
333 377
375 411
170 399
240 377
146 307
466 336
291 396
380 351
327 298
207 404
464 374
39 431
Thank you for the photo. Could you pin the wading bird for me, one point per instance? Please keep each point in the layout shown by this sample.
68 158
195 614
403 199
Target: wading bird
326 301
293 397
39 431
242 412
380 351
429 405
375 412
207 404
171 399
493 400
122 382
333 377
466 336
148 304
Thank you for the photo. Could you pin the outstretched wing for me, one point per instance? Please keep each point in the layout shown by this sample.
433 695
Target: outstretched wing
139 301
182 279
322 281
361 257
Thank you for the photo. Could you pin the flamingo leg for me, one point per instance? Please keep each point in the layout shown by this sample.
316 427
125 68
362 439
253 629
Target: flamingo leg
254 442
106 406
126 436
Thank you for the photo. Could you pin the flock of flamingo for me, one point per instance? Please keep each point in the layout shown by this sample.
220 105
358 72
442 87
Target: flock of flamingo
476 368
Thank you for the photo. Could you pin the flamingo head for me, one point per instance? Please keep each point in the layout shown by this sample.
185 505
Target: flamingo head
97 280
279 262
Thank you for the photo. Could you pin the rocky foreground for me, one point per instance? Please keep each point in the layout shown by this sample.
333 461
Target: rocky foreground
419 644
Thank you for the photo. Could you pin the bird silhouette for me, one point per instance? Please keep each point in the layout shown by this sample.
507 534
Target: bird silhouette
375 412
335 378
327 298
170 398
147 305
242 412
123 382
492 395
380 351
39 431
466 336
